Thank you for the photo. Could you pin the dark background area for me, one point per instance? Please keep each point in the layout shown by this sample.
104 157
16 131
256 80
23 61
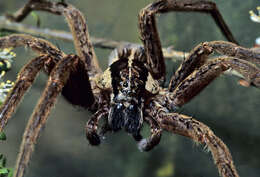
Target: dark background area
230 110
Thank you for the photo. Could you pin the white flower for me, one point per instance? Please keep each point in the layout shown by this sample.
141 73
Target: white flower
255 17
6 56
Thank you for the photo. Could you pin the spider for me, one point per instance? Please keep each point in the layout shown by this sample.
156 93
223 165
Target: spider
130 92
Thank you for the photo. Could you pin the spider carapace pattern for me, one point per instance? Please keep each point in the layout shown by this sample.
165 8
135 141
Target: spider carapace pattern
130 92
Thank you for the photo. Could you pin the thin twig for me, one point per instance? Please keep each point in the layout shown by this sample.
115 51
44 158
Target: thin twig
66 36
169 52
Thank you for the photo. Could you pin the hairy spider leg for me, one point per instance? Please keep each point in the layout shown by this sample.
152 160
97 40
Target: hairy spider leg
81 82
77 25
24 81
92 126
152 44
203 76
56 82
233 50
83 45
150 142
44 48
196 131
26 77
199 132
199 56
150 36
38 45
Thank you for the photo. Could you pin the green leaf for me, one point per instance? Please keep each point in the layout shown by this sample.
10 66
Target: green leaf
2 136
4 171
11 171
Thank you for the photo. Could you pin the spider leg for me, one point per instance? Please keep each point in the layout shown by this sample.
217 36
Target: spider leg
57 80
24 81
149 143
233 50
201 77
77 25
40 46
92 126
198 57
78 82
196 131
199 132
150 36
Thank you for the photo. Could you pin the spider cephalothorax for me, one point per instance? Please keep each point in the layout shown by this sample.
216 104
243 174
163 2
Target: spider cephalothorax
130 91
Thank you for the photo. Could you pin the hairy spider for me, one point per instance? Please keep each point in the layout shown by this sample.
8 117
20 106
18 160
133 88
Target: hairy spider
130 91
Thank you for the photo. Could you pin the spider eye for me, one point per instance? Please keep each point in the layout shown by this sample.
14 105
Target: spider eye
131 107
125 84
119 106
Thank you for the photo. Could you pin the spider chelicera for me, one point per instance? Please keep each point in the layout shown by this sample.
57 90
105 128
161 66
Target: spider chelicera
130 91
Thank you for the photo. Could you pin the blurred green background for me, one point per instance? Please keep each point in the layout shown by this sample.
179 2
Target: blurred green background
230 110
